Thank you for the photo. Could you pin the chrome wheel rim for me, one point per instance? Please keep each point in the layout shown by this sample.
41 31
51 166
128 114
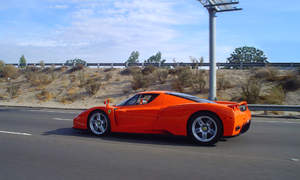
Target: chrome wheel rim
98 123
204 128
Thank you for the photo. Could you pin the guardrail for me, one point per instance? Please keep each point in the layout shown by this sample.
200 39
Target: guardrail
267 107
229 65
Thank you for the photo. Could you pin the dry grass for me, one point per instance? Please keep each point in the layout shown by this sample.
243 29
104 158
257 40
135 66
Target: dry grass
199 81
161 75
109 69
70 96
13 90
148 70
107 76
9 71
38 79
92 87
139 80
275 96
223 82
291 84
77 67
183 78
44 96
251 90
130 71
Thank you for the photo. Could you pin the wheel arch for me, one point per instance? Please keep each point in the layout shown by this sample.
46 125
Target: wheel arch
91 112
201 112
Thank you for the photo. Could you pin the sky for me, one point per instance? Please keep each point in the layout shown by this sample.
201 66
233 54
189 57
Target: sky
109 30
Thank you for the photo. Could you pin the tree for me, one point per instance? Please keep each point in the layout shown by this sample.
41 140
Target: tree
22 61
134 57
247 54
75 61
155 59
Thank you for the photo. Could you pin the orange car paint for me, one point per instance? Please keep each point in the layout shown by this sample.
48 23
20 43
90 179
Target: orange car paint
167 114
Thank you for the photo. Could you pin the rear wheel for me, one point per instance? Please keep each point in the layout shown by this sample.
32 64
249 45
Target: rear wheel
99 123
205 128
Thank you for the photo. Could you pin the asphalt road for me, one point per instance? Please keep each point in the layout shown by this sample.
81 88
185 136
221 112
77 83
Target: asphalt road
40 144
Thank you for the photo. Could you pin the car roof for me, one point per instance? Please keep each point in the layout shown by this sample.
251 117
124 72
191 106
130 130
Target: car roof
153 92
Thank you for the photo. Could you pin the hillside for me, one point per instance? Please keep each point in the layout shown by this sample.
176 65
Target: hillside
82 87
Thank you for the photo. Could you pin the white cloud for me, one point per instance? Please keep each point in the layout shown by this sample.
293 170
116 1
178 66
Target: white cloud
112 29
60 6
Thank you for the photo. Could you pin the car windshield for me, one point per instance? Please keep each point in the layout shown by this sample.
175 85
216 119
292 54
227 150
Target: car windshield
125 101
190 97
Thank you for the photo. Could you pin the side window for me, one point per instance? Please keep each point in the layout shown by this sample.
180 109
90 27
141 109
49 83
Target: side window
146 98
140 99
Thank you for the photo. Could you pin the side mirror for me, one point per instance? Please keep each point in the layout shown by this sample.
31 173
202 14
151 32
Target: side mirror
106 101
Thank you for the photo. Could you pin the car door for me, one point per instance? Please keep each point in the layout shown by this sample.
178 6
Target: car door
138 114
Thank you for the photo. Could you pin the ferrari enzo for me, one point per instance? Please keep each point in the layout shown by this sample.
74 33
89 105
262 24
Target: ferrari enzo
164 112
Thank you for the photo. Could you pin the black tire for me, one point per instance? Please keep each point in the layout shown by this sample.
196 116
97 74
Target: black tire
211 125
104 122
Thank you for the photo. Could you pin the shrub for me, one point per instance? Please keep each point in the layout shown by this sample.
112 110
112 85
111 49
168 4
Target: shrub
199 81
81 77
109 69
31 69
72 78
148 70
267 73
251 90
275 96
107 76
139 80
223 83
291 84
13 90
38 79
77 67
92 87
70 96
44 95
161 75
9 71
2 64
42 64
130 70
172 71
61 69
182 79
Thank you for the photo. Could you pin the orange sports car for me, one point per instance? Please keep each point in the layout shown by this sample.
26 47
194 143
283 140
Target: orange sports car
164 112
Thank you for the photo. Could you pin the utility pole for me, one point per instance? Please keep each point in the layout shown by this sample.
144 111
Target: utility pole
213 7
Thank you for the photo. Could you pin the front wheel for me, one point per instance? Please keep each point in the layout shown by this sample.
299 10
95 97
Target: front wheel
205 128
98 123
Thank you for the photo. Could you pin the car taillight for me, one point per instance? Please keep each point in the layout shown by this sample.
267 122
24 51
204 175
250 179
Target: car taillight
234 107
243 108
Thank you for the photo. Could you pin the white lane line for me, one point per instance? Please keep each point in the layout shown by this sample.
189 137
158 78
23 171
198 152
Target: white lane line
16 133
49 111
283 122
61 119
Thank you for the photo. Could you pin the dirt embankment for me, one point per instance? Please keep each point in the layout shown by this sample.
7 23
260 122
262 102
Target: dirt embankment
81 87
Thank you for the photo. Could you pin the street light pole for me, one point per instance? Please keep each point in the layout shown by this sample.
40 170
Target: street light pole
212 54
213 7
